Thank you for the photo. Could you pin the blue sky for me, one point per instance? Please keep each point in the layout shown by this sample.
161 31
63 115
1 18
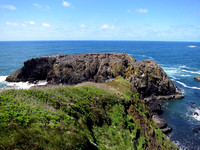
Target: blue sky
153 20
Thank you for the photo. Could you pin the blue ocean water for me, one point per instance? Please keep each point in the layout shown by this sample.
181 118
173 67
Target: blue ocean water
179 59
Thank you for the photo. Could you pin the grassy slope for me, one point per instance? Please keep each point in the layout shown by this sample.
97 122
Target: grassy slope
88 116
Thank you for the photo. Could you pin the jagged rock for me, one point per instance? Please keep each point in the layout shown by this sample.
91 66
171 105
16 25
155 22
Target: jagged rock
73 69
33 70
150 79
154 105
161 123
147 77
166 130
192 103
195 131
195 113
197 78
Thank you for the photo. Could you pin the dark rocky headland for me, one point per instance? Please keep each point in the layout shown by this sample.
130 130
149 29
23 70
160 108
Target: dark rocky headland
145 77
148 78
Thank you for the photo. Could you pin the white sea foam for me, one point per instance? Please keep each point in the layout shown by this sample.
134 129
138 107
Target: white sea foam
193 72
3 78
42 82
196 114
180 146
179 69
171 70
190 87
186 67
193 113
23 85
144 56
192 46
173 78
19 85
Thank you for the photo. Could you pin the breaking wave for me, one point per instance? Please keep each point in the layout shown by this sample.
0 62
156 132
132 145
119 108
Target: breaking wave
190 87
3 78
193 72
192 46
181 71
18 85
196 114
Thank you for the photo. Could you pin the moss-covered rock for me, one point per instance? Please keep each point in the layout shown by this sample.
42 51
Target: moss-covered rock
147 76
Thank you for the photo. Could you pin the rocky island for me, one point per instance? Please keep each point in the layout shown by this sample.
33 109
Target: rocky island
113 103
148 78
197 78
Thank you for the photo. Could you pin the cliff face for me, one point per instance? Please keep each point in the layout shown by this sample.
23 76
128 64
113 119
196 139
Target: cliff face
93 116
73 69
149 79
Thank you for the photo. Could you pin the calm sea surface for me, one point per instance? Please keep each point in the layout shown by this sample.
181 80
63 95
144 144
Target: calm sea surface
181 61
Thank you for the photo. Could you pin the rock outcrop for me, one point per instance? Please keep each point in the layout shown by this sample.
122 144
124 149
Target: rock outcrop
197 78
149 79
161 123
73 69
152 83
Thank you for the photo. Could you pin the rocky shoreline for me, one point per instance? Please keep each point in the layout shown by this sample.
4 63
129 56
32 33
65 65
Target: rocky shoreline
148 78
197 78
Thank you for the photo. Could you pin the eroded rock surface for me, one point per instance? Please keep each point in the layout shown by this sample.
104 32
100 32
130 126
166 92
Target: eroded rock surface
149 79
73 69
197 78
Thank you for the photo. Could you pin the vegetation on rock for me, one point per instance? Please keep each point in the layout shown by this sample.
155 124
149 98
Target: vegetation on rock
87 116
149 79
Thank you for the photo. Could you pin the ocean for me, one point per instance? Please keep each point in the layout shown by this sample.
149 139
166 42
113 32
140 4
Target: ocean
180 60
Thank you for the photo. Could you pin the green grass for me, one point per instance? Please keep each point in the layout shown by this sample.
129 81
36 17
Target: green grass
82 117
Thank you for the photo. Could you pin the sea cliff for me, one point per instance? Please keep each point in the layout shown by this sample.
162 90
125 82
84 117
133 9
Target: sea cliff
89 115
114 103
147 77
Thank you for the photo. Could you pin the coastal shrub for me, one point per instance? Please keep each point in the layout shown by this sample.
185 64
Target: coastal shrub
81 117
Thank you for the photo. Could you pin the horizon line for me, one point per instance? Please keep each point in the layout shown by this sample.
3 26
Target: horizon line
95 40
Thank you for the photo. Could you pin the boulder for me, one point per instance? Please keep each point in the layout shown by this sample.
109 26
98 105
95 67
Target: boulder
197 78
166 130
161 123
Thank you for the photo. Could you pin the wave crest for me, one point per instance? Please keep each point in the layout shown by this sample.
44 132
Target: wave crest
19 85
193 72
190 87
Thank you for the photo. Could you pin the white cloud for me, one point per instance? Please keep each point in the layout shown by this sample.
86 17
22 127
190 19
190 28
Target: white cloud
135 27
12 23
41 6
141 10
83 26
31 22
128 11
105 26
66 4
46 25
23 25
11 7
